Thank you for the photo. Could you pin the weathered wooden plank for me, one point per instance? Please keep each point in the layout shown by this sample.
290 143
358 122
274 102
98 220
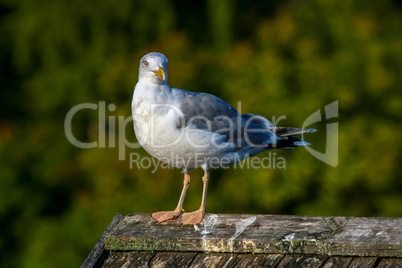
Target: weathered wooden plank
338 262
302 260
98 253
133 259
214 260
390 263
172 259
128 259
230 260
120 259
258 260
367 262
143 259
335 236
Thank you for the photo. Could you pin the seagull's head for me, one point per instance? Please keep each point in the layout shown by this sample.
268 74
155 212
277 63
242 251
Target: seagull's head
153 67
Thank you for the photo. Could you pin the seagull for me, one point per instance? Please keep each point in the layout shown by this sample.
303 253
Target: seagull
191 130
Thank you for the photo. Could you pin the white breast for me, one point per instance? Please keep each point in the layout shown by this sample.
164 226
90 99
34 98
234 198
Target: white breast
158 128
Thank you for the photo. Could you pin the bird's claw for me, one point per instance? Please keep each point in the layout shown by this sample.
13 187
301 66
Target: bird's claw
162 216
193 218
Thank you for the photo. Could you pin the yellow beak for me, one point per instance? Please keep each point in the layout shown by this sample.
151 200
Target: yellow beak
160 73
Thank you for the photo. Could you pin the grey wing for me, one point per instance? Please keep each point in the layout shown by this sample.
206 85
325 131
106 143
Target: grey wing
202 109
210 113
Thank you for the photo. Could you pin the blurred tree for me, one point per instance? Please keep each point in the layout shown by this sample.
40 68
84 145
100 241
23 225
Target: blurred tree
221 22
276 57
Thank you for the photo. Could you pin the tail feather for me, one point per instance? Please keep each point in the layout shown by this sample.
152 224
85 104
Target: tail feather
288 140
290 131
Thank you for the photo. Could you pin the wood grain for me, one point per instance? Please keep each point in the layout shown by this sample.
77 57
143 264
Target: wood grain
334 236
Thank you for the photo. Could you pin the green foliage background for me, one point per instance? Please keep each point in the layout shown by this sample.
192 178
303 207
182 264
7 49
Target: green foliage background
278 57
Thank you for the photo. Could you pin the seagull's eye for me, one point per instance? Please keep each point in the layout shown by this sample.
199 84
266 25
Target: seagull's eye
145 62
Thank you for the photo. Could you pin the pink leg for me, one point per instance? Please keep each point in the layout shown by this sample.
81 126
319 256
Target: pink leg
197 216
170 215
